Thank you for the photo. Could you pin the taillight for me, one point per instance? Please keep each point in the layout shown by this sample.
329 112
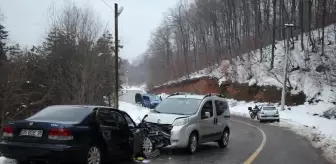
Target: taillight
60 134
8 131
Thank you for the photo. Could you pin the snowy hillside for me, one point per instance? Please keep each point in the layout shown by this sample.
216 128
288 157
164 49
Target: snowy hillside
302 74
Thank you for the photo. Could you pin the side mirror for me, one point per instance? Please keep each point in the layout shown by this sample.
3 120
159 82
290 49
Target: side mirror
249 108
207 114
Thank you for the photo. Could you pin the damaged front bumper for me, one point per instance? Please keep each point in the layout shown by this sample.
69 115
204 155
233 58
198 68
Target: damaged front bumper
160 134
165 135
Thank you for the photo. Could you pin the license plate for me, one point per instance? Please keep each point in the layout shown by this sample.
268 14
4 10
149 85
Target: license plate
32 133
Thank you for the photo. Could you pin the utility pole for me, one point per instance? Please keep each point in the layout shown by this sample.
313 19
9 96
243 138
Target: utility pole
288 29
117 12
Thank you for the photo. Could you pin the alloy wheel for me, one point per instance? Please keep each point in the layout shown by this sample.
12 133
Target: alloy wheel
226 138
193 144
94 155
147 146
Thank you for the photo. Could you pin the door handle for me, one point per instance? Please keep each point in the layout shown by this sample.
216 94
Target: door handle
215 121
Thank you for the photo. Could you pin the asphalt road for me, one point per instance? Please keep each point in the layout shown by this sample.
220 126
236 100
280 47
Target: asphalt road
281 146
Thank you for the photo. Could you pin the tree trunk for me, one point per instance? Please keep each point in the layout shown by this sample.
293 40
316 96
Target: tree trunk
274 34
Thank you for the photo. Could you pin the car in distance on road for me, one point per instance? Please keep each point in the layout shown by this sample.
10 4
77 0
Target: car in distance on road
268 113
150 100
190 120
72 134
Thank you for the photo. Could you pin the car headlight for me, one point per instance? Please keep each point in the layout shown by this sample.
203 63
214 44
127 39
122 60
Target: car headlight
180 121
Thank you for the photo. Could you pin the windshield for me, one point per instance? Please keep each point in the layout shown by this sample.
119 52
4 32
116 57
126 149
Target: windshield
154 97
61 114
183 106
269 108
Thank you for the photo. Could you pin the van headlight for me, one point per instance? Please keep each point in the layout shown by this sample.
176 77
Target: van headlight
180 121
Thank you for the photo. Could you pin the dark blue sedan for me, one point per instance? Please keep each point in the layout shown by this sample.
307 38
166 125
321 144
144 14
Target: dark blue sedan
73 134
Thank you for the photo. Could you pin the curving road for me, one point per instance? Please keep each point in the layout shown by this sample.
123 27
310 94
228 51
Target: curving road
250 142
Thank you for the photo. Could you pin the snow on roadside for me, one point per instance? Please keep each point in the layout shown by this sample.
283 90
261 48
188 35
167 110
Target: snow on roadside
303 120
163 95
4 160
137 88
135 111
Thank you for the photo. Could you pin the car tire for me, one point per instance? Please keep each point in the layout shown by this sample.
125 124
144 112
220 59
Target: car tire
95 153
148 150
192 143
278 120
261 121
224 140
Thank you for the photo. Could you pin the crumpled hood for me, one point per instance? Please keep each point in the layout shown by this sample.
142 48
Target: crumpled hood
163 118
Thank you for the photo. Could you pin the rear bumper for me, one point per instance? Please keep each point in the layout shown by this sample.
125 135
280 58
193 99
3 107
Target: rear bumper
269 117
47 152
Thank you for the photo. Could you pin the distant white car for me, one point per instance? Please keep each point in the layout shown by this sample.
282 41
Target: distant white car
268 113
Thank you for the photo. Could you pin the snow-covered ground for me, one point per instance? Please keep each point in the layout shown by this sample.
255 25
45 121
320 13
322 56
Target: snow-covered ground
137 112
303 120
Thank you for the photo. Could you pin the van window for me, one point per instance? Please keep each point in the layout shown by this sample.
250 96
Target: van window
207 107
221 107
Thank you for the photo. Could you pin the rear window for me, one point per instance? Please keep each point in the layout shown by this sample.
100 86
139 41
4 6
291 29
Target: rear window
61 114
269 108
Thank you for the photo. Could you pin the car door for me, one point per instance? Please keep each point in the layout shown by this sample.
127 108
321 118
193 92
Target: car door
222 116
137 135
207 124
109 130
125 135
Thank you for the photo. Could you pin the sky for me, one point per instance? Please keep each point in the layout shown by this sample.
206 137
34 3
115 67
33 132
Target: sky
27 20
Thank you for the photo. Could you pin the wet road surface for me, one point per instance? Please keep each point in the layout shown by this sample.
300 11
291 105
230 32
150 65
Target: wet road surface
282 146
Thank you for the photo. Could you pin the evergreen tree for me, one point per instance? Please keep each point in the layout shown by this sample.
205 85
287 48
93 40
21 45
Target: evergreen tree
3 37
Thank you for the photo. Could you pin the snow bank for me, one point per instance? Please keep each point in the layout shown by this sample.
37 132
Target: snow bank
163 95
4 160
137 88
135 111
303 120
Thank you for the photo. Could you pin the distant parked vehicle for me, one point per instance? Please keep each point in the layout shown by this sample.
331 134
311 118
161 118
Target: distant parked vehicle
268 113
253 111
150 100
74 134
138 98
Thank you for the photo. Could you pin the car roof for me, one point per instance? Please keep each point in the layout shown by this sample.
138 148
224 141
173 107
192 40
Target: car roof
200 97
85 106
